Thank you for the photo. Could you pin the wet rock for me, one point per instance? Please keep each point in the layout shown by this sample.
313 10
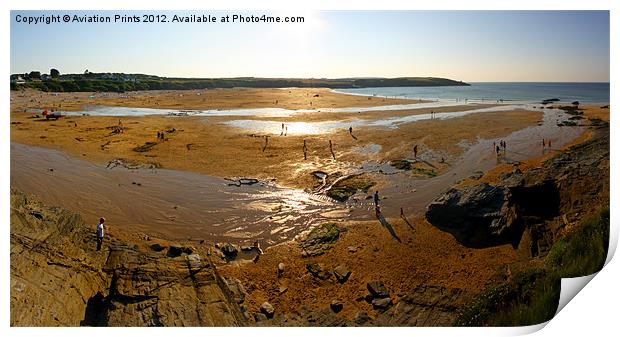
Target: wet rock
229 250
377 289
342 273
157 247
317 270
320 239
381 303
336 306
361 317
267 309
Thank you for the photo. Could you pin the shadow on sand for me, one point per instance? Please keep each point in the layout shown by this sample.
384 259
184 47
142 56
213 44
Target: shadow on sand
387 225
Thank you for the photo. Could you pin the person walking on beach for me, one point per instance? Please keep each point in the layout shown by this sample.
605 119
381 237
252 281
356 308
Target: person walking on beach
305 150
549 143
282 132
497 150
258 250
543 143
415 152
376 198
100 233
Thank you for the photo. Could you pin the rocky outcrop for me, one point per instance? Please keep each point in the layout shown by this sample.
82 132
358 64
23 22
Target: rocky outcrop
320 239
527 209
59 279
424 306
478 216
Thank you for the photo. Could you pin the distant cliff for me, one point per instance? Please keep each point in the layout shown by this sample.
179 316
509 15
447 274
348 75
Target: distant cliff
110 83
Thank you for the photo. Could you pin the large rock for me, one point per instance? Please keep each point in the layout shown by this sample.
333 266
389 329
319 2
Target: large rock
477 216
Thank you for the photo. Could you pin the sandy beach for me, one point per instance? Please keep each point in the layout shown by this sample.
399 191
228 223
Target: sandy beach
74 151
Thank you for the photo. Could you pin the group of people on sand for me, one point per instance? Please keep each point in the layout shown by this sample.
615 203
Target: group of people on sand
284 131
547 144
161 136
500 149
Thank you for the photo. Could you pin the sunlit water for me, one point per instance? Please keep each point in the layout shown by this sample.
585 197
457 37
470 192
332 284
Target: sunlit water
494 91
313 128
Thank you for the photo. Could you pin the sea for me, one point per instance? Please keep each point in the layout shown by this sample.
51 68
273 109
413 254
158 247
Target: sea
529 92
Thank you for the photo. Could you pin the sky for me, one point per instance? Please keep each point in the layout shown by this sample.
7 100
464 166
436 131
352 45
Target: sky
472 46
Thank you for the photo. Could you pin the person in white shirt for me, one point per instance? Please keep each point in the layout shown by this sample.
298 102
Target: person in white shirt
100 233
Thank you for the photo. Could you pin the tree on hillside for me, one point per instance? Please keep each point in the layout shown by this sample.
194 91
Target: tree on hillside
35 75
54 73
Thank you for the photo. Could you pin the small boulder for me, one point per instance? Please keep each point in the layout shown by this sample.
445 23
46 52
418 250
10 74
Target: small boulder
361 317
157 247
381 303
267 309
342 273
280 269
317 270
377 289
229 250
175 251
336 306
259 317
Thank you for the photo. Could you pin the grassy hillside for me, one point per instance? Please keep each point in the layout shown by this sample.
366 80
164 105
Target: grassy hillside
72 83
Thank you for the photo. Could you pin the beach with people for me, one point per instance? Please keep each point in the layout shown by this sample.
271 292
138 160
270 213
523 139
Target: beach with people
208 182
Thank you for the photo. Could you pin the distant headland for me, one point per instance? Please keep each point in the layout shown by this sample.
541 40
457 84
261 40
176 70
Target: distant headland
120 82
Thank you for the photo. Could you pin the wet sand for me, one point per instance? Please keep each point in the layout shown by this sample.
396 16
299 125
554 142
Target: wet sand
237 98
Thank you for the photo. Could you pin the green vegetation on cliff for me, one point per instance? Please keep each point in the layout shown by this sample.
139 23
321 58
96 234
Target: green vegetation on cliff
531 297
121 83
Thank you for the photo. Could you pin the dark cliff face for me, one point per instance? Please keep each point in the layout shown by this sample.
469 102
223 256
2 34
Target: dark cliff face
528 210
59 279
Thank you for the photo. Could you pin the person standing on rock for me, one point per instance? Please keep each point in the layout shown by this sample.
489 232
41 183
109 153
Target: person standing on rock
100 233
